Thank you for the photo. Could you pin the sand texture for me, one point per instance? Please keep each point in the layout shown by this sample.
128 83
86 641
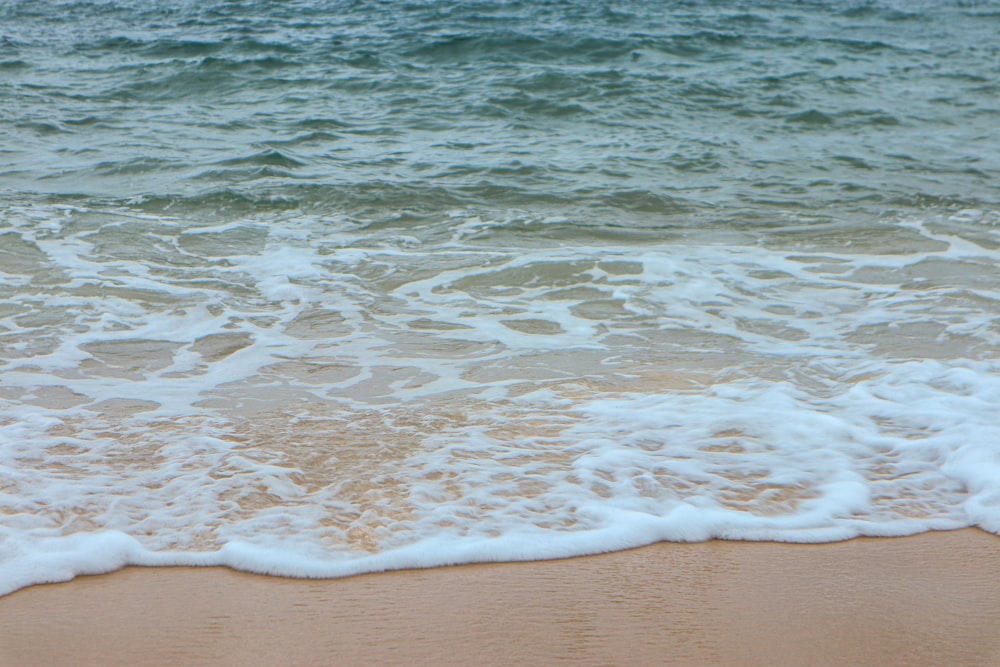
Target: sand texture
932 599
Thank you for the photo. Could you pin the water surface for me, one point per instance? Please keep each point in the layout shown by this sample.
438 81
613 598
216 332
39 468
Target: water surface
316 288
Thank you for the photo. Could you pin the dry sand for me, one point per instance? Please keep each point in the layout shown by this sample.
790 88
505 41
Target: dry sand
932 599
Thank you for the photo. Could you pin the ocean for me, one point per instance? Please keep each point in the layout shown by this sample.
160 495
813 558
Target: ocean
326 287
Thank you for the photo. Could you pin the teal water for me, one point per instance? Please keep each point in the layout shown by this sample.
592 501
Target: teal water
683 113
317 288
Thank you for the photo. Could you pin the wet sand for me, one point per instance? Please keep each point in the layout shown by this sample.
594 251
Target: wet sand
932 599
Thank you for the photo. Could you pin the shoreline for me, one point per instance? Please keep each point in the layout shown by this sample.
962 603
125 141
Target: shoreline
927 599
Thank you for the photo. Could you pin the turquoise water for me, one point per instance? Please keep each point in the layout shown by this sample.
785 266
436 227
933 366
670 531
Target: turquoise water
326 287
668 114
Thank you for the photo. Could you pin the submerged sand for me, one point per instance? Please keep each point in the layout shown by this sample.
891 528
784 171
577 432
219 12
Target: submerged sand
931 599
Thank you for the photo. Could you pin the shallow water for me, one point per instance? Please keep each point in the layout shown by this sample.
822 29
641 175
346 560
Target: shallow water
322 288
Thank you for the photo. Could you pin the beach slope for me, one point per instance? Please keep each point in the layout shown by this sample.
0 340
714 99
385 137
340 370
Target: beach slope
930 599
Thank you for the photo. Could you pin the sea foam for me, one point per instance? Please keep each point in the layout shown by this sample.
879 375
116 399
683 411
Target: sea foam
332 404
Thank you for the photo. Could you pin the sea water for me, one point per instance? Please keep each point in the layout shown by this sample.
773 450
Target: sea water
324 287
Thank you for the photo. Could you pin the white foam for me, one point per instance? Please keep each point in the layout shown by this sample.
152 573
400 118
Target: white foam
322 402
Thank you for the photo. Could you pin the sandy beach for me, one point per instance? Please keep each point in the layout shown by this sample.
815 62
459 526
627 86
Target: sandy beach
931 599
316 288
